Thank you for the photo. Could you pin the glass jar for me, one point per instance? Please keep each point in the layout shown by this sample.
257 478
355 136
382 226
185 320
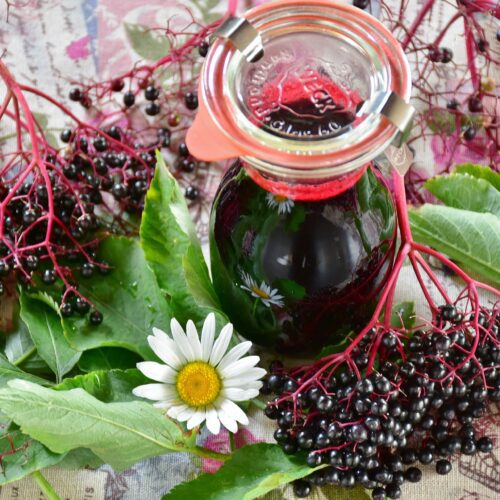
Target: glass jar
306 95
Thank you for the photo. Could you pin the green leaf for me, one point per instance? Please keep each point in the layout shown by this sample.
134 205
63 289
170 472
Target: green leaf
147 43
252 471
129 298
334 349
173 250
10 372
46 331
18 345
403 315
466 192
107 386
120 434
80 458
107 358
480 172
29 456
470 238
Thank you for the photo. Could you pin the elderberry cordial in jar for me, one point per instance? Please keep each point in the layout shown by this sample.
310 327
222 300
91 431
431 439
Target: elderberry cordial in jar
306 95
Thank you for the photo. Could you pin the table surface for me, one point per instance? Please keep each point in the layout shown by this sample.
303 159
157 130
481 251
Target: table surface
49 42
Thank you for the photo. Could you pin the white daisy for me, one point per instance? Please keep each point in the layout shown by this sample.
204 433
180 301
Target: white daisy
264 292
283 203
199 381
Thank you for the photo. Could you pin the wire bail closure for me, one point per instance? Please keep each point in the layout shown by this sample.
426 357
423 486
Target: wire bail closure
243 36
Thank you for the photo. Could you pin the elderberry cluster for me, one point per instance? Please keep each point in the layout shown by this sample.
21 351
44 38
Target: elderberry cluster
373 429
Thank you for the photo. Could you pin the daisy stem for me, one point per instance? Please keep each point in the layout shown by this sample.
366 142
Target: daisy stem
232 446
206 453
258 403
48 491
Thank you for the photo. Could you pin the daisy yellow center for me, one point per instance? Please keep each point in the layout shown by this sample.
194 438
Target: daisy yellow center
198 384
280 198
259 292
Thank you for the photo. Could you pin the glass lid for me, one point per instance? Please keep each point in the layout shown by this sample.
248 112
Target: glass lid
322 89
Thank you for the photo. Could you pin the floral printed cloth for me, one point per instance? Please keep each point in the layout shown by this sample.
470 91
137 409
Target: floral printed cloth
49 43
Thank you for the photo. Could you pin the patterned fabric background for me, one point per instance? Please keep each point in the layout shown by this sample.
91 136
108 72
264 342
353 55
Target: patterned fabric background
51 42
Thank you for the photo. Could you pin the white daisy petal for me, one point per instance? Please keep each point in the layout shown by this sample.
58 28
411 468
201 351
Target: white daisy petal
235 394
185 415
229 423
234 354
207 337
213 423
157 392
157 371
239 367
221 344
165 349
194 340
167 404
196 419
175 410
232 410
251 375
181 340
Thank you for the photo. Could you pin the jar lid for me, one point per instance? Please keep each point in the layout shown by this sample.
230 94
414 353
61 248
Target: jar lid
297 87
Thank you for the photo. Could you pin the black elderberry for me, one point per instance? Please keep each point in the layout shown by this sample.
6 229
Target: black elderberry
453 444
81 305
32 262
152 109
128 99
301 488
408 456
389 341
49 276
183 149
191 100
446 55
413 474
314 459
95 318
361 4
378 493
364 386
66 309
393 491
484 444
281 435
324 403
119 191
347 479
468 446
203 49
435 54
379 407
100 143
191 193
305 439
151 93
75 94
66 135
452 104
443 467
271 411
87 270
482 45
469 133
357 433
289 447
4 268
2 288
475 105
321 440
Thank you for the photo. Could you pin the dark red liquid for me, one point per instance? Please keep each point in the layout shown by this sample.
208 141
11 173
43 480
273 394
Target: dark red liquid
299 275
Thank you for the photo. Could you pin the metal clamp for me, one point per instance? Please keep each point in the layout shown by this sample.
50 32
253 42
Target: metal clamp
243 36
397 111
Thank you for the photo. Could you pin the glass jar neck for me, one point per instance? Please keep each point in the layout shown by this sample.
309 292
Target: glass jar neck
307 188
